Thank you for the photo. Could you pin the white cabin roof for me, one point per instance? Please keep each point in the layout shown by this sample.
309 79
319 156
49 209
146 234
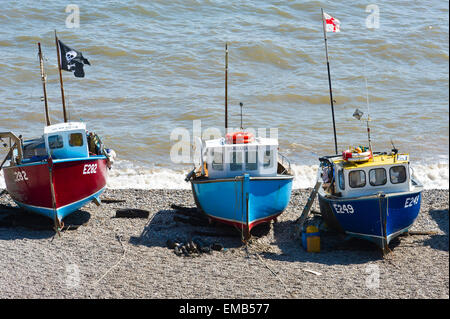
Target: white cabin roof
61 127
259 141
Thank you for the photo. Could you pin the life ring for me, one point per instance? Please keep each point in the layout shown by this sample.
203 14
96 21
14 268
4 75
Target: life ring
239 138
354 156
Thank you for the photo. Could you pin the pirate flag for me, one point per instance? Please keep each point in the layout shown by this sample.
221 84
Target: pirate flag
72 60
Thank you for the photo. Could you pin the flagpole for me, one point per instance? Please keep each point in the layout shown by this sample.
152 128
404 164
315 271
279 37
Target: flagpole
226 86
43 78
60 78
329 80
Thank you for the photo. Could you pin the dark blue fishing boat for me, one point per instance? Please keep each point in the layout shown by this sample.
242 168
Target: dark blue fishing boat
375 199
369 195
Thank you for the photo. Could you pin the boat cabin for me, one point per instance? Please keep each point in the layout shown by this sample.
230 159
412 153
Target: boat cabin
66 140
61 141
387 173
225 158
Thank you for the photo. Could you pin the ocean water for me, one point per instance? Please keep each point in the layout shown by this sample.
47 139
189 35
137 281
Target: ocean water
158 66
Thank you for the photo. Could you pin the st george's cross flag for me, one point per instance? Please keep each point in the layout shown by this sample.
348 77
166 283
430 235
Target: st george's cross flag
331 24
72 60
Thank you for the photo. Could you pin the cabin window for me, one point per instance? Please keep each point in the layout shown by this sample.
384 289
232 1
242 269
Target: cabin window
357 179
55 141
217 159
397 174
236 161
377 177
251 159
267 160
341 179
76 139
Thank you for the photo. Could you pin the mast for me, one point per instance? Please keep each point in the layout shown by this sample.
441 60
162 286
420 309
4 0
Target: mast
329 80
60 78
44 86
226 86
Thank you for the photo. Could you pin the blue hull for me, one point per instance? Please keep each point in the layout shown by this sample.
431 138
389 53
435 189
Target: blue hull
61 212
378 219
243 201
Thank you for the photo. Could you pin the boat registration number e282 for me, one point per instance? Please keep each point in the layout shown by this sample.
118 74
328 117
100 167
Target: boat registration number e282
90 169
343 209
20 176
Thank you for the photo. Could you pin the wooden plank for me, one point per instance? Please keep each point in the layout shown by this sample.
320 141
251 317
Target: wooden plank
307 208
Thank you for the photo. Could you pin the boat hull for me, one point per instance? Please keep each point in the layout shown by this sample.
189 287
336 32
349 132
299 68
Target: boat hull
377 218
243 201
75 183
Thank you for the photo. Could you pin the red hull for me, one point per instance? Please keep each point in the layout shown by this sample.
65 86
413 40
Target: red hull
242 225
74 182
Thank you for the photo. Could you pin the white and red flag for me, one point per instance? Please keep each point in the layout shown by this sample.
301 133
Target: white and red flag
331 24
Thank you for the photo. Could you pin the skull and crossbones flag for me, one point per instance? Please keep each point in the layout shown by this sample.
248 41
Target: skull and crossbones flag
72 60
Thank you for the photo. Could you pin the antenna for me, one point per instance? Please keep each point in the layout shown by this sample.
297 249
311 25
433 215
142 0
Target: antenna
240 103
394 149
368 114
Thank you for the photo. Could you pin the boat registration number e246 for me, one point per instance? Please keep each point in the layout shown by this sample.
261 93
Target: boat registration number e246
343 209
411 201
90 169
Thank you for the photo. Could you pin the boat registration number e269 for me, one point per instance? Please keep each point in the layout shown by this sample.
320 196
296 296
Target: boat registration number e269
343 209
411 201
90 169
20 176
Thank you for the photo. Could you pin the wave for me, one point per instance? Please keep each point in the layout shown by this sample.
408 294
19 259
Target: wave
432 176
127 175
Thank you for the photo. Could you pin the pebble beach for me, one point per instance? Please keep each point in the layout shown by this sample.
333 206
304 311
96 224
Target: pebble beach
101 255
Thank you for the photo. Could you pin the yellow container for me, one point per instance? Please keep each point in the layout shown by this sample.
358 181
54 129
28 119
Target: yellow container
311 239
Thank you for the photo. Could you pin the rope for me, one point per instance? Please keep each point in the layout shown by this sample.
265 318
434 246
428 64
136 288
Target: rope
117 263
273 272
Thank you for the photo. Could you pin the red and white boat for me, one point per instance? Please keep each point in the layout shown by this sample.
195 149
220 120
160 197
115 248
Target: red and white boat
59 172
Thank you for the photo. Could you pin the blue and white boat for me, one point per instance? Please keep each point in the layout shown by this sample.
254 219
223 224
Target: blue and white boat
375 198
240 181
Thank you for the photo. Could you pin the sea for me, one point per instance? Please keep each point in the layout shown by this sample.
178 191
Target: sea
157 78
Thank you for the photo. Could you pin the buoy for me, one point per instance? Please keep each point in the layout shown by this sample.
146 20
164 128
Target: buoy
239 138
356 155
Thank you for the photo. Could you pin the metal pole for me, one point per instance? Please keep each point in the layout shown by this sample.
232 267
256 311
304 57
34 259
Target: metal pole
44 79
226 86
368 115
329 82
